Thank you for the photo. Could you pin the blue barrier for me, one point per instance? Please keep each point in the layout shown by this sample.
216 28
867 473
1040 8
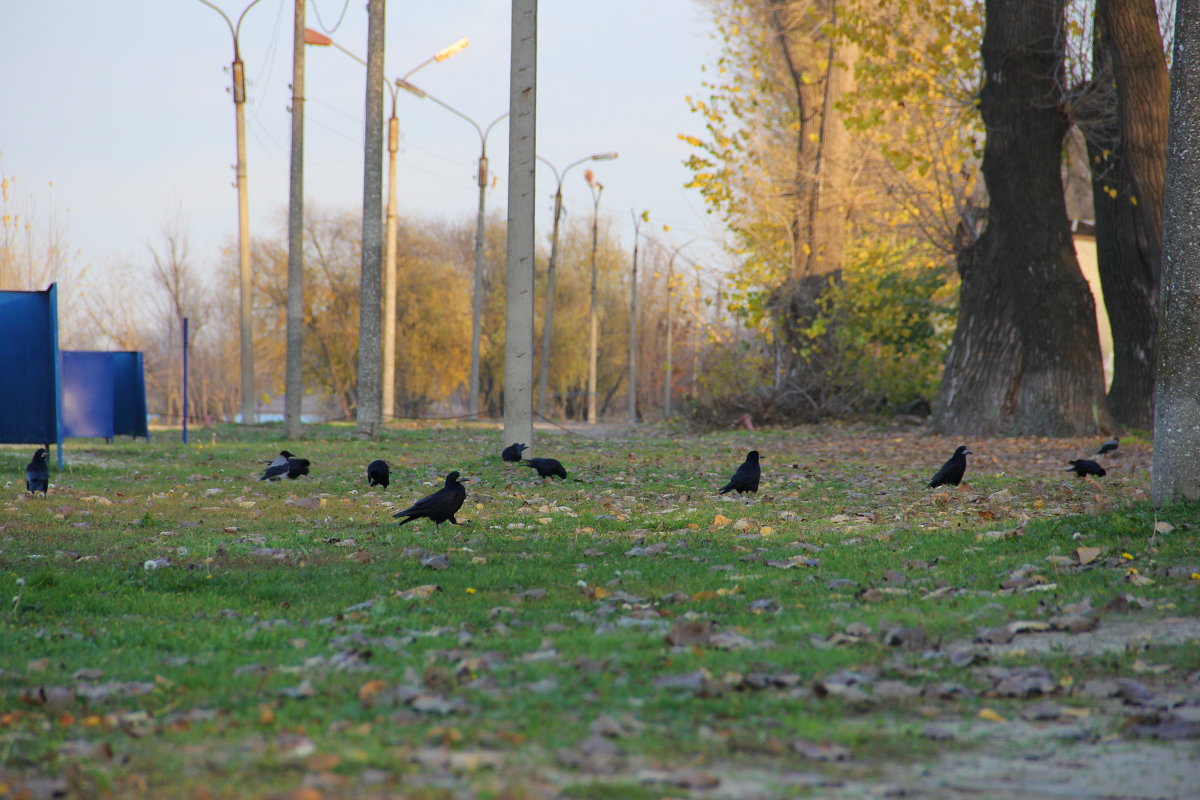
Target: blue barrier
104 394
30 369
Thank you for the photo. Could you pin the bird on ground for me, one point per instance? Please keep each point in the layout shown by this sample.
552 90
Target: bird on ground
745 479
952 471
37 473
286 464
378 473
1109 446
546 467
513 452
440 506
1083 467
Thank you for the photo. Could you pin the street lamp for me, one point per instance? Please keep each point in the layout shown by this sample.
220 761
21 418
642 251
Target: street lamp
389 293
597 188
548 319
631 399
477 295
669 372
239 102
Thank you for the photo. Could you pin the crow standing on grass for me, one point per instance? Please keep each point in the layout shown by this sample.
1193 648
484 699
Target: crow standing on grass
546 467
952 471
440 506
285 464
746 477
37 473
1083 467
1109 446
378 473
513 452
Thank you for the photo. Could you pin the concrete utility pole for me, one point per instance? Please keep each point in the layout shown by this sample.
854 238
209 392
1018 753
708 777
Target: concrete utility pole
246 324
548 318
594 309
389 262
631 403
1175 470
293 398
669 371
522 154
369 413
480 221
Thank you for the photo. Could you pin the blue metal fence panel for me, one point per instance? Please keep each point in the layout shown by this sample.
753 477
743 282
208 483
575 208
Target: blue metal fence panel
29 368
88 393
129 402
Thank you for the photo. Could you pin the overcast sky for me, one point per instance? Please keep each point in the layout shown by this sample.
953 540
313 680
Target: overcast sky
123 109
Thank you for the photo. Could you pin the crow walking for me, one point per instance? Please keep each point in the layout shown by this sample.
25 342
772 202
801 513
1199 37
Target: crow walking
37 473
286 464
952 471
546 467
513 452
1083 467
1109 446
440 506
745 479
378 473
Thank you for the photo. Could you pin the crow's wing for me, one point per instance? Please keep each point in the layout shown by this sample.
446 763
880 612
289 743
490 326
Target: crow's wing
276 469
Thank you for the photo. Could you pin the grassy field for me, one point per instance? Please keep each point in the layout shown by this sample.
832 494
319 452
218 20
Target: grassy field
173 628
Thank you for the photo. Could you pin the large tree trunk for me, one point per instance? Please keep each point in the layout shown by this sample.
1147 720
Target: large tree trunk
1175 472
1128 157
1025 359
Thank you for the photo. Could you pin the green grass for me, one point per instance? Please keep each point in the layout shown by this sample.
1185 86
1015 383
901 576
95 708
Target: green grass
203 674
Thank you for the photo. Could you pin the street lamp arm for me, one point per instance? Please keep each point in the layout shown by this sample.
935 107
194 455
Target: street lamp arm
557 179
234 30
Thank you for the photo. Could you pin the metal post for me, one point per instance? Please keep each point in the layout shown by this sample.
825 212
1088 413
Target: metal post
293 397
185 379
518 323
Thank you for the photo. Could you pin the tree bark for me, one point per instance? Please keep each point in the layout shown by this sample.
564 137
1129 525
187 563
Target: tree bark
1025 358
1127 157
1175 471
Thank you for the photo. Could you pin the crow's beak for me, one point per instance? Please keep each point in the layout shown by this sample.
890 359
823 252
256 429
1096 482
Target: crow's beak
464 480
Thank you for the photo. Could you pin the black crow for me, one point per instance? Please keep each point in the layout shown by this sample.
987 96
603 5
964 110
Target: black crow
37 473
285 464
440 506
746 477
1083 468
1109 446
952 471
546 467
513 452
378 473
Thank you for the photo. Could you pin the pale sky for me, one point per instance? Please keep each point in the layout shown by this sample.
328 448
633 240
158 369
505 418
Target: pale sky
123 108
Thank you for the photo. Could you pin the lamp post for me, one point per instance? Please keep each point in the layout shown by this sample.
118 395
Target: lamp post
477 294
669 372
597 188
389 292
246 325
548 319
631 401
